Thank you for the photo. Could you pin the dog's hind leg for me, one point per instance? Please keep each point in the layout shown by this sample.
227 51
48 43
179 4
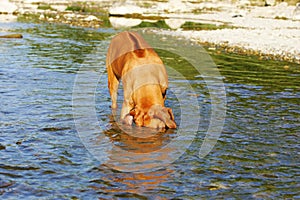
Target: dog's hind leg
113 84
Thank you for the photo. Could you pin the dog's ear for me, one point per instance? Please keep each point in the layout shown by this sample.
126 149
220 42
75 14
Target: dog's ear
170 113
170 121
166 115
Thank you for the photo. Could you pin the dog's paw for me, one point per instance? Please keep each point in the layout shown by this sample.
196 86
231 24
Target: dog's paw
128 119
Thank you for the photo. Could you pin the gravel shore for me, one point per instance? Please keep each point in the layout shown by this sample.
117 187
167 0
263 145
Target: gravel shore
271 32
265 37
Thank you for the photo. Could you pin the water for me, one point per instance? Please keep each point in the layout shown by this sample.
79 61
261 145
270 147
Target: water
43 157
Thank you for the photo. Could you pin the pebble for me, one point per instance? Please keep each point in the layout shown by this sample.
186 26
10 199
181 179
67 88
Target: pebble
296 12
42 17
91 18
247 42
71 18
286 67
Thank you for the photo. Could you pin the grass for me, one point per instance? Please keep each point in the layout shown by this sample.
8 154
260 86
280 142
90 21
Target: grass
45 7
75 8
145 4
85 8
200 11
201 26
32 18
158 24
138 16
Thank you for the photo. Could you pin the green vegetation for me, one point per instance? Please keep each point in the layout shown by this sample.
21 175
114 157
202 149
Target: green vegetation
145 4
85 8
32 18
199 11
157 24
44 7
201 26
138 16
186 26
105 21
75 8
282 18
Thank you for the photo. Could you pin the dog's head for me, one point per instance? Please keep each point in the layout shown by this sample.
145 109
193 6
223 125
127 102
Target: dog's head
156 117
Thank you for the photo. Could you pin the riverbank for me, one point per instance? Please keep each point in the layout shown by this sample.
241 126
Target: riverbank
270 32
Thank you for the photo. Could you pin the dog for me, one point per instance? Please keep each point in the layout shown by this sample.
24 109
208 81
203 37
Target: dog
144 78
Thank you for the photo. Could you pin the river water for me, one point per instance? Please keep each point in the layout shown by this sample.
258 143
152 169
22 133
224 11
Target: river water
44 155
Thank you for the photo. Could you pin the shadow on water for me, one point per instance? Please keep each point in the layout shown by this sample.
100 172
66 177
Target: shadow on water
257 155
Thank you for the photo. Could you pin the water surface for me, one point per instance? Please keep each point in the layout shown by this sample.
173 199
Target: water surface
42 156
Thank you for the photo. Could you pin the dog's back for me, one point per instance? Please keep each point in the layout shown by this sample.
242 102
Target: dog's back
129 48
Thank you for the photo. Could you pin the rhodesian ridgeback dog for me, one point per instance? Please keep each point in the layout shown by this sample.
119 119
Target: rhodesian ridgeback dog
144 79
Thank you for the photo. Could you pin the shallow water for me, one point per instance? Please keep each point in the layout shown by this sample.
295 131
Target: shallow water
43 156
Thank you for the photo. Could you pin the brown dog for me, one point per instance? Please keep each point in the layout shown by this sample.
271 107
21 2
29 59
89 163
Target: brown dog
144 79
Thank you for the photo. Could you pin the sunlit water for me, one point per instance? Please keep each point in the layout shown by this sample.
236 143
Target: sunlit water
42 155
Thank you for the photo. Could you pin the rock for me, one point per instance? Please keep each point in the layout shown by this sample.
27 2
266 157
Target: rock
121 22
60 8
175 23
42 17
8 18
91 18
296 12
283 5
270 2
12 36
2 147
237 15
125 9
69 16
173 6
286 67
244 3
7 7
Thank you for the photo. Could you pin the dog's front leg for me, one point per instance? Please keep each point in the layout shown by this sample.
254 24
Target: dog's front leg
126 118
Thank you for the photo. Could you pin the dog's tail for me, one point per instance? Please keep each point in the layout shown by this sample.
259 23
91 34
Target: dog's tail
139 50
140 53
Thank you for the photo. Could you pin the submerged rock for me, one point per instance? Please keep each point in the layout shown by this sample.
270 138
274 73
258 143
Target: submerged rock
2 147
12 36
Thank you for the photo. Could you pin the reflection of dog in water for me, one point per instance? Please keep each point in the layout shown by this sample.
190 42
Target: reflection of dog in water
144 79
122 138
